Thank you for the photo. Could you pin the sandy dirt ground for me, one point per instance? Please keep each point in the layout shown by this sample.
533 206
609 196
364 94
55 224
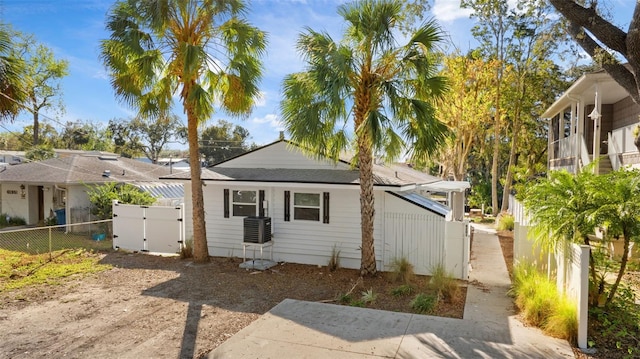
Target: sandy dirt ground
158 307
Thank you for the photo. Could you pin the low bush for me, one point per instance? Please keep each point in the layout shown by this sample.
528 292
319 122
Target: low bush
541 305
424 303
187 250
402 290
443 283
369 296
506 222
401 270
8 221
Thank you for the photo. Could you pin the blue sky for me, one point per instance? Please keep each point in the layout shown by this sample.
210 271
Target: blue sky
74 28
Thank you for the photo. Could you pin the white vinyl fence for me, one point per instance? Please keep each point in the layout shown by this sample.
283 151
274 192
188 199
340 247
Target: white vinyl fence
570 267
427 241
148 228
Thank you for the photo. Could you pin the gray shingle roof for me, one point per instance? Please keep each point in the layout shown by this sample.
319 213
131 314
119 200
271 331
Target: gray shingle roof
384 175
84 169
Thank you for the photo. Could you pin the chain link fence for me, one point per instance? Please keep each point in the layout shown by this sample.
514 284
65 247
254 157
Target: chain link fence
95 235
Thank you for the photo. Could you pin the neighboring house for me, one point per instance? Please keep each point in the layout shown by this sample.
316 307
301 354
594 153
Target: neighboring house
314 206
12 157
595 115
39 190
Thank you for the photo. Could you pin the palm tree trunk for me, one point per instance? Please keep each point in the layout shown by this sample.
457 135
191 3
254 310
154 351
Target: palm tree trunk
623 267
200 247
367 209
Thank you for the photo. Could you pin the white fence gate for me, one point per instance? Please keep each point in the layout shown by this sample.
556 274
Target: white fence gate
148 228
426 241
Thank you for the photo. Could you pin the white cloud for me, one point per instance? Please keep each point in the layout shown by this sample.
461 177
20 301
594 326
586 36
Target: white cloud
271 120
449 10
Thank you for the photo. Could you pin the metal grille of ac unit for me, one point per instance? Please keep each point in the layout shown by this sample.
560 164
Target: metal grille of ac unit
257 229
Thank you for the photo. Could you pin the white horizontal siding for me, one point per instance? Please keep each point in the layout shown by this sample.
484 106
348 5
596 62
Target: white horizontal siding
295 241
280 155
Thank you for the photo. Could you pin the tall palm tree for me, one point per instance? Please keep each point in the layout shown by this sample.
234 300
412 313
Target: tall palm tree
385 90
12 88
201 50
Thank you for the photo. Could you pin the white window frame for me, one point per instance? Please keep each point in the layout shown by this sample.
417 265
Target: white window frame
233 203
319 207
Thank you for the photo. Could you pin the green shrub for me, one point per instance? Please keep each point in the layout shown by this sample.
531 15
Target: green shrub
369 296
506 222
402 290
344 298
8 221
443 283
563 321
541 305
401 270
424 303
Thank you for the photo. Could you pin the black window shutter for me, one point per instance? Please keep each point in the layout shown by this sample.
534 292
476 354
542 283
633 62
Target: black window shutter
226 203
325 207
287 204
261 203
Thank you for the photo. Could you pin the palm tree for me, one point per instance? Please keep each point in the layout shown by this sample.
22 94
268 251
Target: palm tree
387 91
619 206
561 208
12 88
203 51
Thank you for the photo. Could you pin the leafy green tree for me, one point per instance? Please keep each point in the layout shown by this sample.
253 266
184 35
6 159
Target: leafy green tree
102 197
126 141
203 50
385 91
619 212
39 153
43 73
223 141
12 86
145 135
467 110
84 135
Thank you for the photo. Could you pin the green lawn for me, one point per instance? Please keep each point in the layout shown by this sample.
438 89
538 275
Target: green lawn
19 269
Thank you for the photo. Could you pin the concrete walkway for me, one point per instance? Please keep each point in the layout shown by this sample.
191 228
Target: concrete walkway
490 329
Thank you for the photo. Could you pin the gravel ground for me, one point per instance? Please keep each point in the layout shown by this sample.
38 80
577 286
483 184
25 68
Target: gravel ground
160 307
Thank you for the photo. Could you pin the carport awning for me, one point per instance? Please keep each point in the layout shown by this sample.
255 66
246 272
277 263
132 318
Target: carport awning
447 186
426 203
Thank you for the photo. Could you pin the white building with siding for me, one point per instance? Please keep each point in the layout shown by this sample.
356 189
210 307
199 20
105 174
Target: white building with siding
314 205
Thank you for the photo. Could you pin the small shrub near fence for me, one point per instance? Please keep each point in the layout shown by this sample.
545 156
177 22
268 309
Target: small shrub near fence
48 239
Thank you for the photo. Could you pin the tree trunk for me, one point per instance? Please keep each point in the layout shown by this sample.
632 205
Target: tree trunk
200 247
367 209
512 159
36 128
623 268
494 168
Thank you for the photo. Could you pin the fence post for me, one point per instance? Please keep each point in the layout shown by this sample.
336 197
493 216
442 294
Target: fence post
50 244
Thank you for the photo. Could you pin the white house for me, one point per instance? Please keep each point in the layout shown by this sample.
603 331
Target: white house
314 205
597 116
